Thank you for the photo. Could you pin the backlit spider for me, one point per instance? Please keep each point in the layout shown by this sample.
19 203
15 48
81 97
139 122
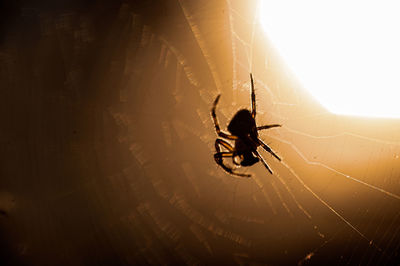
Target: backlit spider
244 132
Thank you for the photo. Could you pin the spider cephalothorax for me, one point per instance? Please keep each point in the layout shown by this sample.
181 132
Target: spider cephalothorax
244 132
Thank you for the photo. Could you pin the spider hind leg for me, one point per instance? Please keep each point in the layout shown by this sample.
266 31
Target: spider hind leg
219 155
268 149
218 159
263 162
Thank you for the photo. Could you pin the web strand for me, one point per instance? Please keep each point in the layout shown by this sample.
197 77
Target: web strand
203 46
326 204
394 143
390 194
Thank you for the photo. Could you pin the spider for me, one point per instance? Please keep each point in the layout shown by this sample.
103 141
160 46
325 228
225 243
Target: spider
244 132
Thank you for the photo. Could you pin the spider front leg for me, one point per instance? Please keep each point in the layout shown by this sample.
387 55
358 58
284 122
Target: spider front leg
216 124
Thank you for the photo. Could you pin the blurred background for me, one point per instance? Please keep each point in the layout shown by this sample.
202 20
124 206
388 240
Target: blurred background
107 144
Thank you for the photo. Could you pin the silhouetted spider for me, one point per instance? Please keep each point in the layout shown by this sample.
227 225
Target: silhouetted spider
244 132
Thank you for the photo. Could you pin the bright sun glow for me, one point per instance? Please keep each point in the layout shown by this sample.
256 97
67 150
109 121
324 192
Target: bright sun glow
345 52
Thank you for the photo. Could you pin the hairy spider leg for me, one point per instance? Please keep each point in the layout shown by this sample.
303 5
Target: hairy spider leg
268 126
268 149
253 98
217 128
218 159
263 162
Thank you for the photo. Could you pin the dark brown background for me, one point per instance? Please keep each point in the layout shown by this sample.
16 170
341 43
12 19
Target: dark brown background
107 144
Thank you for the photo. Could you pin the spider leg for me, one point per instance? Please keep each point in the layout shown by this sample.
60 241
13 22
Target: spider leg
253 98
268 149
268 126
218 157
216 124
229 147
221 154
225 144
263 162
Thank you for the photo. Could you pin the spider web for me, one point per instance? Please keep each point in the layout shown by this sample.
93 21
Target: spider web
335 194
109 142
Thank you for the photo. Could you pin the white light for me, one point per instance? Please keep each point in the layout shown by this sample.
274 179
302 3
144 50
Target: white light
345 52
